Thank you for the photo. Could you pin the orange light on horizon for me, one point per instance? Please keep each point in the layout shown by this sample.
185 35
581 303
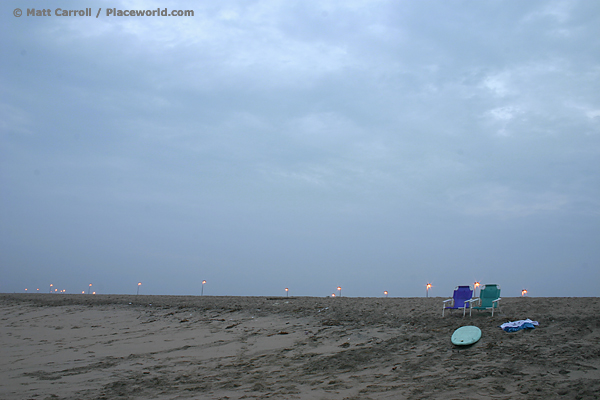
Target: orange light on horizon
385 292
524 292
428 286
332 294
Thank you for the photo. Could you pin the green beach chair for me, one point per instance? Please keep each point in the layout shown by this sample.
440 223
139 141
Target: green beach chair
489 299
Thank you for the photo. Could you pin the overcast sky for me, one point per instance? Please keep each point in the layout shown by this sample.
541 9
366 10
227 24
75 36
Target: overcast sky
373 145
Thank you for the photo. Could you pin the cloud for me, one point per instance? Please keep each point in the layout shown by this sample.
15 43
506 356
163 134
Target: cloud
497 84
504 202
265 137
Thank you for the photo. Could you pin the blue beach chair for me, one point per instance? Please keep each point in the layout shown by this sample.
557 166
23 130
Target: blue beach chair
459 300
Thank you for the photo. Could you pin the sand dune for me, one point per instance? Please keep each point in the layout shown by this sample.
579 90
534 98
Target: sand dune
186 347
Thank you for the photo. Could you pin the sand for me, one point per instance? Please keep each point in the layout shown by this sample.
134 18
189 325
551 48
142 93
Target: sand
188 347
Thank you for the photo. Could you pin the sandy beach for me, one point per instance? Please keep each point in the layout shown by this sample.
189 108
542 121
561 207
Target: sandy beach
189 347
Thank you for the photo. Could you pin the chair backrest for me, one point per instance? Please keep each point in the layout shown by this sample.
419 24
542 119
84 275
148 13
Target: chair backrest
462 294
488 294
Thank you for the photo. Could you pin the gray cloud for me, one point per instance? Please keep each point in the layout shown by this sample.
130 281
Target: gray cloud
262 145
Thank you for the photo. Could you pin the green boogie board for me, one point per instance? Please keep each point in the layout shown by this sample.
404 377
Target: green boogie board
466 335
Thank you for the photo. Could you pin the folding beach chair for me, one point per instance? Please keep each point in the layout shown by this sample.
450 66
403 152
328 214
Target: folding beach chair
459 300
489 299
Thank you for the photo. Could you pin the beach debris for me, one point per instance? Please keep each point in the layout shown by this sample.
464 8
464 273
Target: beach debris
279 333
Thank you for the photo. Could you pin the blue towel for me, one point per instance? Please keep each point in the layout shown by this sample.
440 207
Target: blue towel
526 325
